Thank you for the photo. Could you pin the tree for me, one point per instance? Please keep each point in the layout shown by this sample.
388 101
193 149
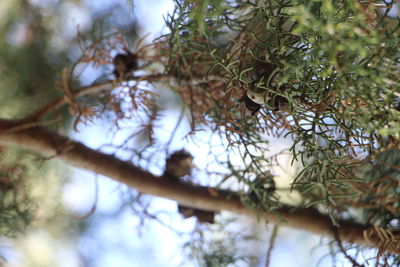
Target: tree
323 73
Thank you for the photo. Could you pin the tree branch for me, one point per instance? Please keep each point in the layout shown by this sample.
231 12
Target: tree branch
87 90
52 144
107 85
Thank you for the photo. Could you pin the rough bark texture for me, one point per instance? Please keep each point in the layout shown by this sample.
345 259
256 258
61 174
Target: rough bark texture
52 144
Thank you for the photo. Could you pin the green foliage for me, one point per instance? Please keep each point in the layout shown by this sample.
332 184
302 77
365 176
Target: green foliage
327 71
382 174
201 12
28 71
17 208
217 247
29 66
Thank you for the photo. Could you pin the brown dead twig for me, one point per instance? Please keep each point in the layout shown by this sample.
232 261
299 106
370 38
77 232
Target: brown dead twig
72 95
96 53
384 239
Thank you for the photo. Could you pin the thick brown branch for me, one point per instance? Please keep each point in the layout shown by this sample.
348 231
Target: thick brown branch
51 143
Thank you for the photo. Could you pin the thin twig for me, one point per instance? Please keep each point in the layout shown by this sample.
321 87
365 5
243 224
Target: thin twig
96 88
94 205
24 125
271 244
182 114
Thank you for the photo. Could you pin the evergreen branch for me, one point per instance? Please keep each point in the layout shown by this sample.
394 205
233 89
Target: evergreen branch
52 144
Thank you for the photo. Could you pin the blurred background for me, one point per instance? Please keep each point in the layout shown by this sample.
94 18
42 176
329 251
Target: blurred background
87 220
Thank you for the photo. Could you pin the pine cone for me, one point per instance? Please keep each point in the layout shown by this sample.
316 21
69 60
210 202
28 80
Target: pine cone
179 164
202 216
124 63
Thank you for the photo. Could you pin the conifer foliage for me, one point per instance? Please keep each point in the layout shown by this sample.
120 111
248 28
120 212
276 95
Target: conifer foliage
322 73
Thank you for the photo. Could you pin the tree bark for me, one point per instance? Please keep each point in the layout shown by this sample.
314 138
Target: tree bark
52 144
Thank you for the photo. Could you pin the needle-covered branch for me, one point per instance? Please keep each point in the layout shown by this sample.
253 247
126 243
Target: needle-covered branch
52 144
